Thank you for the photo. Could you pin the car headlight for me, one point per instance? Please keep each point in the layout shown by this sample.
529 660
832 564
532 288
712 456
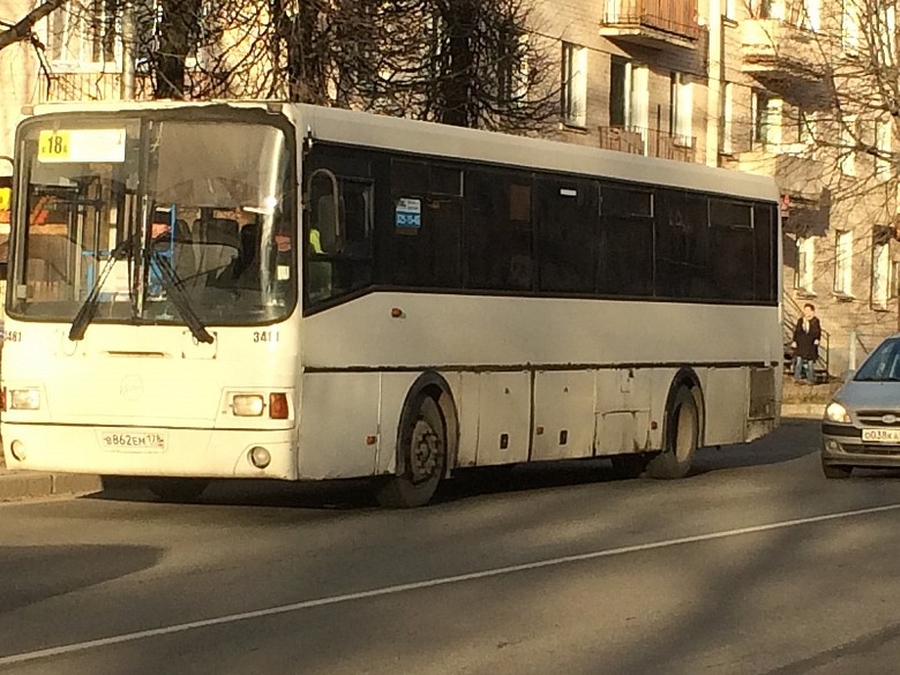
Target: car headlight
835 412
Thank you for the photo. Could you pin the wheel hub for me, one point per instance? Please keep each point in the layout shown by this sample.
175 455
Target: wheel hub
426 452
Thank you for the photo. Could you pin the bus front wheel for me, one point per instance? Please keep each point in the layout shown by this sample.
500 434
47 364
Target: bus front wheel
681 438
421 456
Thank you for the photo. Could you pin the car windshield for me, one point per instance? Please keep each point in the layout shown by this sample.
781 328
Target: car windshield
154 221
883 365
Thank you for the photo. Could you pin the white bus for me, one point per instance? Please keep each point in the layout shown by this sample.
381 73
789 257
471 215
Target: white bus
265 290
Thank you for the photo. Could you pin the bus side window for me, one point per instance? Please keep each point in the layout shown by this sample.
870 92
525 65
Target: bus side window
325 225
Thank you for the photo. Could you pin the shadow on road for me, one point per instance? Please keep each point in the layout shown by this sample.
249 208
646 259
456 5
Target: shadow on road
35 573
795 438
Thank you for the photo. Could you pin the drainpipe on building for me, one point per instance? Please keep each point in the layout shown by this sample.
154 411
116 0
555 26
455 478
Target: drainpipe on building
127 92
716 73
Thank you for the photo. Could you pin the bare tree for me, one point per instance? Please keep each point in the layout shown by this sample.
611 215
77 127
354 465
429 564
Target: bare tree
23 29
470 63
834 75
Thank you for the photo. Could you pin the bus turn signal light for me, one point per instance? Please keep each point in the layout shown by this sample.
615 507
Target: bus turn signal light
278 406
25 399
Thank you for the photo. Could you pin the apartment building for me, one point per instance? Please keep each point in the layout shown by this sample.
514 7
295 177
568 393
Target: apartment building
748 86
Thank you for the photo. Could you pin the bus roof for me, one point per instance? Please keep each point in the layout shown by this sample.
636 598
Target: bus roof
427 138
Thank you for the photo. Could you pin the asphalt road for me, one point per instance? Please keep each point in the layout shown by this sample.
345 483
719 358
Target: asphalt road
755 564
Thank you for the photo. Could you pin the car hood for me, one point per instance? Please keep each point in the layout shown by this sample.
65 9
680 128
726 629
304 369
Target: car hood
870 395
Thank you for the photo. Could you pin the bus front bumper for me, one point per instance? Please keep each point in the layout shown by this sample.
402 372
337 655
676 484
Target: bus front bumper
150 451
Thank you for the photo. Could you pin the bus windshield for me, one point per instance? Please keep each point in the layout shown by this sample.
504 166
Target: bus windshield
145 220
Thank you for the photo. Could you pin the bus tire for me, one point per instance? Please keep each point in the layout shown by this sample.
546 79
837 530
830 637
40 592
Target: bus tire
421 456
681 438
177 489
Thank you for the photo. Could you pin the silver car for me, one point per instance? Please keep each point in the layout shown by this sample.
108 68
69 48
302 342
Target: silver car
861 426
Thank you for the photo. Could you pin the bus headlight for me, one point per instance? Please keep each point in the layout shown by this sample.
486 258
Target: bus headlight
247 405
25 399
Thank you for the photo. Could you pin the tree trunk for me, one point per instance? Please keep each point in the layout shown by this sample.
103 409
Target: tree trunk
177 40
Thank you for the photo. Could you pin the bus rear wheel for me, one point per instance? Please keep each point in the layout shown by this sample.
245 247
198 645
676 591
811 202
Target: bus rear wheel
177 489
681 439
421 456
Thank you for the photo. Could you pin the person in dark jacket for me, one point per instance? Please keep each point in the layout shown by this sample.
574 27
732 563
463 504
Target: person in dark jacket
807 334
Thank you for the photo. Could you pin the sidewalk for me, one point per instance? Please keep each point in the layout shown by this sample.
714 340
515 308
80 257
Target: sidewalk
15 485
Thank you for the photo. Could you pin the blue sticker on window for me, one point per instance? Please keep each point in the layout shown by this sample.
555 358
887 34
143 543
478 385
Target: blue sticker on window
408 214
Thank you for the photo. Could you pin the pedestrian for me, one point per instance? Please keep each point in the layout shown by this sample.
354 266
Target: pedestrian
807 334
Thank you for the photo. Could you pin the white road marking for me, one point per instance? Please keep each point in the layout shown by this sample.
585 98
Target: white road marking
430 583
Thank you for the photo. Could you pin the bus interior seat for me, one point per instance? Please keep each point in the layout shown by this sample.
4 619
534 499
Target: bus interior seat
185 259
218 242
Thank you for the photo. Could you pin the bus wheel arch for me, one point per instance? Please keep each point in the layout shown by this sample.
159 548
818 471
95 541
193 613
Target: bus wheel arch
427 441
683 427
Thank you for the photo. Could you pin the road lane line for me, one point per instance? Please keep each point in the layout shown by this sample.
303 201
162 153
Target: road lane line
431 583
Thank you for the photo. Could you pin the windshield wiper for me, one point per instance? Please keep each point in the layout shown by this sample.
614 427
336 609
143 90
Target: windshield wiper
89 307
172 283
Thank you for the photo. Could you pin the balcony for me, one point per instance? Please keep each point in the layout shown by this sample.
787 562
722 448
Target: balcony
652 23
649 142
89 86
801 180
781 54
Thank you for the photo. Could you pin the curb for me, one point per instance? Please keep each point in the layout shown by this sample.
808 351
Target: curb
803 410
16 485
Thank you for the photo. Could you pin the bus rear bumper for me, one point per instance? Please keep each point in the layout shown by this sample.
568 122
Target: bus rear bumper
149 451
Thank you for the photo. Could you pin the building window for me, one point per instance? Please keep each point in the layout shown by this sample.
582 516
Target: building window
83 33
806 127
809 15
847 146
894 281
640 97
843 263
767 9
681 107
574 90
881 275
619 92
804 275
726 115
765 111
729 9
883 142
888 35
850 28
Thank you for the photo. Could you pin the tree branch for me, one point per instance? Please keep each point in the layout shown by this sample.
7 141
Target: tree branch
23 29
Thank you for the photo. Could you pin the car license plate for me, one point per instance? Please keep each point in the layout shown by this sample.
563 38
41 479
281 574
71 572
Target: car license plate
133 440
881 435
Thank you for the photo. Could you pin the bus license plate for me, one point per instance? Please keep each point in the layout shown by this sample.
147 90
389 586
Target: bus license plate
130 440
881 435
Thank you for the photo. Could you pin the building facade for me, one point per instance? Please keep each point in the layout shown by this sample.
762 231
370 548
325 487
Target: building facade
745 86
